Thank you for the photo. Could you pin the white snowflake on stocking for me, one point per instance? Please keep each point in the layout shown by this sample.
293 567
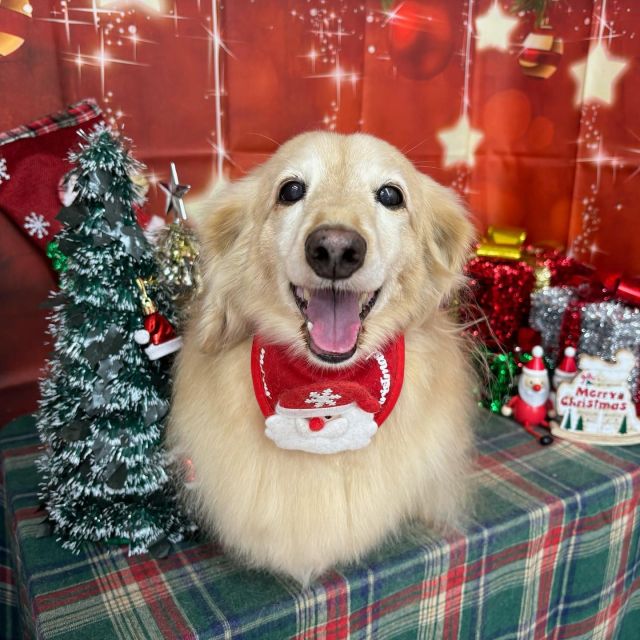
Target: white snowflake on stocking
4 171
36 225
325 399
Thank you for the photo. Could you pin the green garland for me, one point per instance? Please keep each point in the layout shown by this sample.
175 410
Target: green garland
537 7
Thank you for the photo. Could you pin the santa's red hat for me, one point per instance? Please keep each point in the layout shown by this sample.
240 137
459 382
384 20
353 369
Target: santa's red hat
567 370
158 336
327 398
568 364
535 367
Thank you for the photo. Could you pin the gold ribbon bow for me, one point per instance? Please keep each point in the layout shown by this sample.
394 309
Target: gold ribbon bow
507 243
502 242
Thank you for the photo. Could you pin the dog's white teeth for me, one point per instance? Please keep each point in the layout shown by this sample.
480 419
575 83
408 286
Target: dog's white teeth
309 325
306 294
364 298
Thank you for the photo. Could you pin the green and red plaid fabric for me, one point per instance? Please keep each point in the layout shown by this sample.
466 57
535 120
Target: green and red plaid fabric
72 116
552 551
8 594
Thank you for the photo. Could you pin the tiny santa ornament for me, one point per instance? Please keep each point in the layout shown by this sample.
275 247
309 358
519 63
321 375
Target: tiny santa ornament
158 336
531 404
324 418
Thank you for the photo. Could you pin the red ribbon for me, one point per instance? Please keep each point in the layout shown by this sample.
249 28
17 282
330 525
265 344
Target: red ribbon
623 289
595 287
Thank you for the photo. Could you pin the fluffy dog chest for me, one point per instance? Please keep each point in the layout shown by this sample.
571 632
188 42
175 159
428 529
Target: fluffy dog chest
322 410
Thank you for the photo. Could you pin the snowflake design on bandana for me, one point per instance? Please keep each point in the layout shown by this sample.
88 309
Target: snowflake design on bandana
36 225
4 171
325 399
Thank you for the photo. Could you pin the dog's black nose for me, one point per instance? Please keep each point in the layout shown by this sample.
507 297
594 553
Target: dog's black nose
335 252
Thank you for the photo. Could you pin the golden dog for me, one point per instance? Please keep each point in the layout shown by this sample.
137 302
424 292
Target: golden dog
351 215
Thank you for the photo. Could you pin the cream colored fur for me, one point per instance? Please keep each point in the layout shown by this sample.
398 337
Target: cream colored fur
297 512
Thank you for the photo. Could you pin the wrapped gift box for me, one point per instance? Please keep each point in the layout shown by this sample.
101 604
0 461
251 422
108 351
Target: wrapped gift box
502 278
548 307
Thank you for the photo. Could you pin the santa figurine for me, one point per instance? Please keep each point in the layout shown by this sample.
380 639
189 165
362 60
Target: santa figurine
532 403
158 336
327 417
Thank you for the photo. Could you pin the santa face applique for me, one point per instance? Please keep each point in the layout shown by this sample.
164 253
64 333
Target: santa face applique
323 409
323 420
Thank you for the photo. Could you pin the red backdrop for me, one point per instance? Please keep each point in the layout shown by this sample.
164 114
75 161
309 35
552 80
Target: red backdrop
536 127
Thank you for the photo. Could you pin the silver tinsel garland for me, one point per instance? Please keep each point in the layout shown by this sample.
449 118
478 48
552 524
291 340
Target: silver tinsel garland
605 327
547 308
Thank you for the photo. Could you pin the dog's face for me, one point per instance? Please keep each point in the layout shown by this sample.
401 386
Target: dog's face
332 246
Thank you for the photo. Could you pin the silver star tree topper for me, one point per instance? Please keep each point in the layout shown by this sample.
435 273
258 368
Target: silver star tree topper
175 192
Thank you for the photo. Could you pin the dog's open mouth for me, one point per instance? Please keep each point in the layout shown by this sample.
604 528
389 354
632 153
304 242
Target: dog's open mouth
333 319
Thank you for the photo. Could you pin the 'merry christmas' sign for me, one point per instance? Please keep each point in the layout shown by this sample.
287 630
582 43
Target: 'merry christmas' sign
597 407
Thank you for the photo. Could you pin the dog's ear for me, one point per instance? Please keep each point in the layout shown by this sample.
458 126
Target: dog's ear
447 234
219 217
223 222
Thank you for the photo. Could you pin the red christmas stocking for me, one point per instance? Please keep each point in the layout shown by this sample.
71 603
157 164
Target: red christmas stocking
33 160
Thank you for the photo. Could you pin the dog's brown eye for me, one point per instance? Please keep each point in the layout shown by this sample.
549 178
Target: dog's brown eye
390 196
291 192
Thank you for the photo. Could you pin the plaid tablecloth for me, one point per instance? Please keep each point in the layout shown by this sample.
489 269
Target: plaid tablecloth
551 552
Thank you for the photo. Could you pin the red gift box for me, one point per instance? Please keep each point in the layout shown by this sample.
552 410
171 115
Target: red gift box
502 277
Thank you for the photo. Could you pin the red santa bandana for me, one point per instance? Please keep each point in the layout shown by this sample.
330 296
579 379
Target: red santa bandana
275 372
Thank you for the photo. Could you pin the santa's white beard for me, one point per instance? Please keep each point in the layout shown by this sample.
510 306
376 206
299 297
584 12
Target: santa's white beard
531 397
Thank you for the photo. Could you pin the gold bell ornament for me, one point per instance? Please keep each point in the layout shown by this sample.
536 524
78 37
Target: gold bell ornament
177 250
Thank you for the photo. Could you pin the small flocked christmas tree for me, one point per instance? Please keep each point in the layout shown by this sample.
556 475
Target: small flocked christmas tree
104 399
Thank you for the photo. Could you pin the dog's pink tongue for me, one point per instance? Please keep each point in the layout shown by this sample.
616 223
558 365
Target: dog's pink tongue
335 319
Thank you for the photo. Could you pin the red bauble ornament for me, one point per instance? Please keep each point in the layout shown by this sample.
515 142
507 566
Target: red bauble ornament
420 37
